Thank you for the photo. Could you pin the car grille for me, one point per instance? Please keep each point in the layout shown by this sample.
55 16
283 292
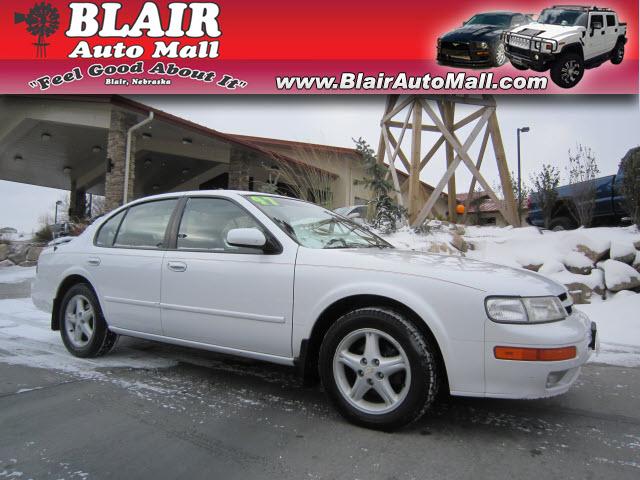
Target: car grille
519 51
455 49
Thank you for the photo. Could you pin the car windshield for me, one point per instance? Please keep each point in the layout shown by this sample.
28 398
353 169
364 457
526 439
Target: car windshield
497 19
560 16
315 227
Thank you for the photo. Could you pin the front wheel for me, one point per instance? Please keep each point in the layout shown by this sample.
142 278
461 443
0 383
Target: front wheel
83 328
498 55
567 71
617 55
378 369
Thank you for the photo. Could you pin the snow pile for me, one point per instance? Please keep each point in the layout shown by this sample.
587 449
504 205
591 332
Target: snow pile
619 276
618 328
15 274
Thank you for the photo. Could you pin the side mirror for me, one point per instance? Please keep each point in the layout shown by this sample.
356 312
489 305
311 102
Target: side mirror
596 25
246 237
465 22
354 215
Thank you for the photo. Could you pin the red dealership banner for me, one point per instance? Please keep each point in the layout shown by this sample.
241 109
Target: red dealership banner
284 46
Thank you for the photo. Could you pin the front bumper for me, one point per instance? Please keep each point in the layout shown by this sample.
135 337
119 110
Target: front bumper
463 54
538 61
536 379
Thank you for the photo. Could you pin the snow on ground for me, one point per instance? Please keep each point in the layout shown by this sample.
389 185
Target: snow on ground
16 274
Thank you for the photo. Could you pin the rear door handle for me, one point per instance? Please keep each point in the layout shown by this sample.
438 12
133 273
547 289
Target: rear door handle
93 261
177 266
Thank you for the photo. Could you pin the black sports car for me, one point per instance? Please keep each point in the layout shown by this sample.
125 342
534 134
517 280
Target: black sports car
477 43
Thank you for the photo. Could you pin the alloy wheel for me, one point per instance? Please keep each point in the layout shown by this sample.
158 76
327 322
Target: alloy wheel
79 321
372 371
570 72
501 56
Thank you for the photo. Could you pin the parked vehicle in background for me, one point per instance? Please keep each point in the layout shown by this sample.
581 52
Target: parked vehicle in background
609 206
357 213
478 42
566 40
288 282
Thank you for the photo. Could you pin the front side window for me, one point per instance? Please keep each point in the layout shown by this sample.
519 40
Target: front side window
207 221
145 224
597 19
108 231
315 227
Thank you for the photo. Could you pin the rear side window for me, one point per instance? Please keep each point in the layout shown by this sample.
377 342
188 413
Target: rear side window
144 225
206 222
611 21
108 231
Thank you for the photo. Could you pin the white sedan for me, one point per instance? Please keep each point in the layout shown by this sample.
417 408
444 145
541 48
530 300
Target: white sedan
286 281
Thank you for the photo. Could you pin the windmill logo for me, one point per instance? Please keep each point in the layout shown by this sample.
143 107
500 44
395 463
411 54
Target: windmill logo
43 20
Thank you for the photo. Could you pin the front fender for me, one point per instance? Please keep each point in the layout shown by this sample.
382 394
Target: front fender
454 313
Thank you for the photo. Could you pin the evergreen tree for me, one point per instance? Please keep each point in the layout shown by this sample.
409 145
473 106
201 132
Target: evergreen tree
386 212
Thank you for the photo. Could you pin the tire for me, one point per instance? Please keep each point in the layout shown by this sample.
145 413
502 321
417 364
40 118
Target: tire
498 55
413 375
617 54
567 70
561 223
80 307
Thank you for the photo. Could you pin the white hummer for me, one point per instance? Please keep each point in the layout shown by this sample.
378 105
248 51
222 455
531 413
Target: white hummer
567 39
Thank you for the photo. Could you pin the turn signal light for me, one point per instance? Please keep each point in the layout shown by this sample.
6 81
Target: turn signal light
535 354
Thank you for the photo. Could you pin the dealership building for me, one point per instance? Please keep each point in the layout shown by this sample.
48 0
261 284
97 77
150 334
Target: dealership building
121 149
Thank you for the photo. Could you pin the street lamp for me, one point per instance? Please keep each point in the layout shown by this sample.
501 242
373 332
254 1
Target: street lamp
523 130
55 217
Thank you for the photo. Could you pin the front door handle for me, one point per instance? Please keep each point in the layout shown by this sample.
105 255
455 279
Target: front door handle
93 261
177 266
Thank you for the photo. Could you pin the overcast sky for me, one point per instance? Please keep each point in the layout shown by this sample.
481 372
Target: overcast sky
608 125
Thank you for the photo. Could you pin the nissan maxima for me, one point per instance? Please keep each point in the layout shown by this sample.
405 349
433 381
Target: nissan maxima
478 43
286 281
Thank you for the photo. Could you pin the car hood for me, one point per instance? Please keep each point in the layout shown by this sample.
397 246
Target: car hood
474 33
487 277
545 30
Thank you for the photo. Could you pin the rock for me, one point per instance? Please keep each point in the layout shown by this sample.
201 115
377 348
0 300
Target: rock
636 262
580 293
636 244
459 242
594 255
582 287
533 267
442 248
551 266
28 264
4 251
623 252
6 263
18 256
578 263
619 276
33 254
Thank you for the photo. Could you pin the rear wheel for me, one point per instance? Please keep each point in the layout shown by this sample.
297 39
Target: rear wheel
561 223
378 369
617 55
83 328
567 70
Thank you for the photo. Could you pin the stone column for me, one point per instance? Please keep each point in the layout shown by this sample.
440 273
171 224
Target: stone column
116 151
239 169
77 203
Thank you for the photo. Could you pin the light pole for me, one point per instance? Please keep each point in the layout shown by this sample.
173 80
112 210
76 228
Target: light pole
523 130
55 217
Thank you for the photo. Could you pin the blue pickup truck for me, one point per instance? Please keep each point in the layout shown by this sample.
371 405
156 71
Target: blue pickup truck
609 206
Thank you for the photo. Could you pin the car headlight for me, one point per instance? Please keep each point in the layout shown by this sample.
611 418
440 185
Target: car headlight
482 45
525 310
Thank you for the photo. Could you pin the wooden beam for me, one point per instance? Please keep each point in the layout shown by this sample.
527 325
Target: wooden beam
416 156
449 108
392 169
431 152
389 115
461 151
470 118
483 101
472 187
503 170
397 145
424 128
390 102
401 155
